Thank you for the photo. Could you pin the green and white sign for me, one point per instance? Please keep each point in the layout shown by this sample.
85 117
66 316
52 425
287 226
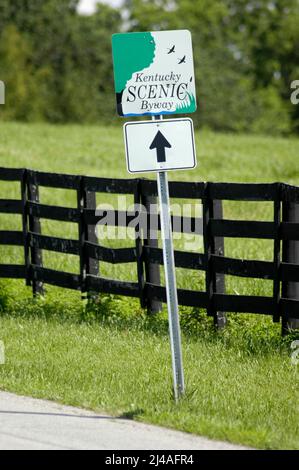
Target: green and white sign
154 73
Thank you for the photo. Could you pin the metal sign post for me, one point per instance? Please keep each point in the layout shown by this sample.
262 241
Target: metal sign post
171 288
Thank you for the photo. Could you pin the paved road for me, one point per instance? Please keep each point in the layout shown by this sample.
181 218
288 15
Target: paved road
30 424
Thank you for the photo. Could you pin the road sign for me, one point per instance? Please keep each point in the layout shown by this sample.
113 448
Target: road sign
154 76
154 73
159 145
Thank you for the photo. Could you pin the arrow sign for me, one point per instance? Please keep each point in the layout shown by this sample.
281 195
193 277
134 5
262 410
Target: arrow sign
175 152
160 143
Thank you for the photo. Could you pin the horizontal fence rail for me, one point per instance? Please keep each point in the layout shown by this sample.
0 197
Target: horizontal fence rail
146 254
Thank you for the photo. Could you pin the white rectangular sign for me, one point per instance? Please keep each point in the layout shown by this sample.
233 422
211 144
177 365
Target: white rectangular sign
159 145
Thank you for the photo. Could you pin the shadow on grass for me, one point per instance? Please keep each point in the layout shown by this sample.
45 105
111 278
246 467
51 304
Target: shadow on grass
131 414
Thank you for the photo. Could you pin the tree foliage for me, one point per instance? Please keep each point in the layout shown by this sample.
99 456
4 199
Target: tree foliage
57 63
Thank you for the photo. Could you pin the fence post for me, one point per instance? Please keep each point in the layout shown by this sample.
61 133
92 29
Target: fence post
152 270
90 203
277 255
82 235
207 239
212 209
290 213
35 226
91 264
139 247
219 279
25 227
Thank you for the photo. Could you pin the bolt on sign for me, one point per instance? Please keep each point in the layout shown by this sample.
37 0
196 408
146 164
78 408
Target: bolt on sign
154 73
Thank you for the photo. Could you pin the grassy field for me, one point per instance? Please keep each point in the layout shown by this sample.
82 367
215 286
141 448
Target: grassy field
241 385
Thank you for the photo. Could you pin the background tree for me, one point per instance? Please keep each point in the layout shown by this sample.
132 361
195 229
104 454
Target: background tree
66 57
57 63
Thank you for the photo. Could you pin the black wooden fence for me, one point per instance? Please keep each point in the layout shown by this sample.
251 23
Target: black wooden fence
145 253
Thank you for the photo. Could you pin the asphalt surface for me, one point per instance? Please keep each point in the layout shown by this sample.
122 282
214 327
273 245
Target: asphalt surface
30 424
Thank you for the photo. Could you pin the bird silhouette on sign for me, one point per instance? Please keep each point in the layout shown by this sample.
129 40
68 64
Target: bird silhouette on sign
171 50
183 60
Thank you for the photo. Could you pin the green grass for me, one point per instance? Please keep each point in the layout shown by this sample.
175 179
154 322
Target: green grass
241 385
99 151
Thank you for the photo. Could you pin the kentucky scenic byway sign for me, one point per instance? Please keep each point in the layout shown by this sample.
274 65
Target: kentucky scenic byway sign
154 73
159 145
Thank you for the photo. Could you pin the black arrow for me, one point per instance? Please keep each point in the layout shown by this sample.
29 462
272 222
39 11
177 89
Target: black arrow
160 143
